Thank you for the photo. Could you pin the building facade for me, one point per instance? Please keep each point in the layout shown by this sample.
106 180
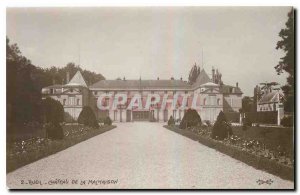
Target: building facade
210 95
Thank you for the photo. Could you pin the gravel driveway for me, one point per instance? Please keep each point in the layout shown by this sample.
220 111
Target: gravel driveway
140 155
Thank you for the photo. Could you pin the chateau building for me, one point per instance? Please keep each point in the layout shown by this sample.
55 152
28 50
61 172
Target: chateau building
211 96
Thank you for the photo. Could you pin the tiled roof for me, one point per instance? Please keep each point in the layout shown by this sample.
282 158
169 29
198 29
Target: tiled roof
202 78
141 84
227 89
271 97
77 80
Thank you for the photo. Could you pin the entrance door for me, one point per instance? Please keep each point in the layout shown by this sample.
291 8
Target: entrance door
140 115
128 115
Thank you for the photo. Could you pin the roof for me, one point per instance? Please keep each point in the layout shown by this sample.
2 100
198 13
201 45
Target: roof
77 80
227 89
271 97
202 78
141 84
53 86
209 84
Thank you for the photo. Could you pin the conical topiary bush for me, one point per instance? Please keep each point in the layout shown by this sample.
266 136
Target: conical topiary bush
221 128
190 119
87 117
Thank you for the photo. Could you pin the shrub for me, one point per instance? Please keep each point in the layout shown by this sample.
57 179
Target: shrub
54 131
87 117
52 111
221 129
190 119
171 121
107 121
287 121
208 123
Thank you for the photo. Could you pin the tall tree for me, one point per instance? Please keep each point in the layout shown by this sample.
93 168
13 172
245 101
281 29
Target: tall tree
287 63
22 95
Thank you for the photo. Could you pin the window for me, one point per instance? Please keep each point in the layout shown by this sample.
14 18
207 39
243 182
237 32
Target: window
78 102
64 101
71 90
204 101
95 92
219 102
185 92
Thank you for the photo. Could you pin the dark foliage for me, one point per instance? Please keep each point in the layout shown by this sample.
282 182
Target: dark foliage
287 121
247 121
287 63
267 117
221 129
208 123
87 117
171 121
107 121
190 119
25 81
247 104
52 111
54 131
58 75
23 97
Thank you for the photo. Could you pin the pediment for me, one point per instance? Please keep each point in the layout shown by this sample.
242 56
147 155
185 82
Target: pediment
211 90
72 91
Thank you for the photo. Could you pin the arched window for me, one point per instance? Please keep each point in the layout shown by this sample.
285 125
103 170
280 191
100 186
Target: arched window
204 101
218 102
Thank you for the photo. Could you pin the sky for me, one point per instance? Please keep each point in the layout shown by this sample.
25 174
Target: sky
151 42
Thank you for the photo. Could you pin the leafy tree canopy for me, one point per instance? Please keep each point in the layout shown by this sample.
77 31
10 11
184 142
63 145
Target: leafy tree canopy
287 63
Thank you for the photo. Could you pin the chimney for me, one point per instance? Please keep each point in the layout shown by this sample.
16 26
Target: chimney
68 77
181 78
123 78
237 84
157 78
172 78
